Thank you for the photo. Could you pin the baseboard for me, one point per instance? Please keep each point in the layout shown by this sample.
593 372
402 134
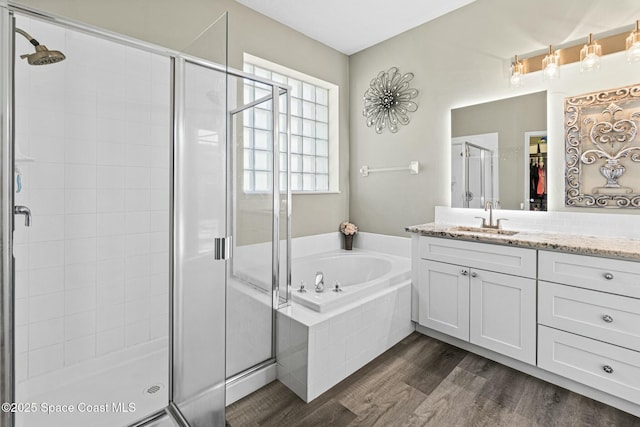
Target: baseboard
534 371
246 385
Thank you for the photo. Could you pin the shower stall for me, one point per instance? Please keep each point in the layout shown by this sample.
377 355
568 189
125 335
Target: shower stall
474 175
140 276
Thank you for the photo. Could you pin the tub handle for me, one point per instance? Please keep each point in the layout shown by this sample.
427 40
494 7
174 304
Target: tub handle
464 272
336 287
302 289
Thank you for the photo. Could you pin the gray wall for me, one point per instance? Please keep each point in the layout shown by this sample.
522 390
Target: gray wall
178 25
462 59
510 118
459 59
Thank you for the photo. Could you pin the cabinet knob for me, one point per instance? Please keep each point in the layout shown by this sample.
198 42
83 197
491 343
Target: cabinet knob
464 272
474 274
608 276
607 318
608 369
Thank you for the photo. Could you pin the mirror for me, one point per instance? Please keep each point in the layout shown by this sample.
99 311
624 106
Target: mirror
498 153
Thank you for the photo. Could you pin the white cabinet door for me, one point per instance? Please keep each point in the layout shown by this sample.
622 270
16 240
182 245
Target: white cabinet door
503 314
444 298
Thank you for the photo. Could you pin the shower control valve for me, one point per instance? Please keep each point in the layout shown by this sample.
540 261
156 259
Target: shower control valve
302 289
336 287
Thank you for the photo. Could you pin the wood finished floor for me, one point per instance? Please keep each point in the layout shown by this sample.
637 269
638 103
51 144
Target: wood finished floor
422 381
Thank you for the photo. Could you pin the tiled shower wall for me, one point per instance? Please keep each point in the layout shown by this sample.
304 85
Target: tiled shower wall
92 271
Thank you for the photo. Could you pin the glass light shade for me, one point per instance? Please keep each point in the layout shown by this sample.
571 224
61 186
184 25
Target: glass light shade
517 71
633 46
590 55
550 65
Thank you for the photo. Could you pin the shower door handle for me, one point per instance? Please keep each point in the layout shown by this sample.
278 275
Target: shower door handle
222 248
23 210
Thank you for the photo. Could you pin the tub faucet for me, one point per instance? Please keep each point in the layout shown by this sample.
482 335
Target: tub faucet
319 282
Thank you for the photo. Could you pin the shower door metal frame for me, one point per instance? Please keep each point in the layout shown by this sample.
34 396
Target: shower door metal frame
278 300
7 303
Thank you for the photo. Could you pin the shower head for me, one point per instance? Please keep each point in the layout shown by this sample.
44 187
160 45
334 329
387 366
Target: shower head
42 55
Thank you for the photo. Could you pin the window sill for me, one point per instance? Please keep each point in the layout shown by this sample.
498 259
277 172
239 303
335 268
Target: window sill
293 193
310 193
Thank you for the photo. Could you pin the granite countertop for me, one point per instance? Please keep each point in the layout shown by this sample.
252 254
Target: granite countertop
569 243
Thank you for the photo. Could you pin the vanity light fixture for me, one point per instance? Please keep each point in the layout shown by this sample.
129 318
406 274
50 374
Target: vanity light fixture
550 65
517 71
548 61
633 44
590 55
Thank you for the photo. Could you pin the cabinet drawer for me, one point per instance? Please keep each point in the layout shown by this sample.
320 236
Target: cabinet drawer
601 274
606 317
605 367
505 259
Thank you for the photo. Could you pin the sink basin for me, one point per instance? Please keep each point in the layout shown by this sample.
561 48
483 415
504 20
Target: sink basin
485 230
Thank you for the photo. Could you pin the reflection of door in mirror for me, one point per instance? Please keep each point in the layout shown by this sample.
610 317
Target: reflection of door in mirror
474 174
536 171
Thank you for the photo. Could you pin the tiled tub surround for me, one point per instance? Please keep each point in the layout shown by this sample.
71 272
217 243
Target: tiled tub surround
316 350
585 332
92 272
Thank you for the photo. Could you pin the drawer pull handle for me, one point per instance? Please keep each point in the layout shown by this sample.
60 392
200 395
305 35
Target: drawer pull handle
608 276
608 369
474 274
464 272
607 318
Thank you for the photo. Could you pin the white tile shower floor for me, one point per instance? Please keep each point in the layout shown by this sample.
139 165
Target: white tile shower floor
125 384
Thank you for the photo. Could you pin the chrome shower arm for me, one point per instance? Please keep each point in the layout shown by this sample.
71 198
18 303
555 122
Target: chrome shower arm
27 36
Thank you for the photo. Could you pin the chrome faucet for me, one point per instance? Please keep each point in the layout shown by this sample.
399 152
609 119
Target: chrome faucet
489 206
23 210
319 282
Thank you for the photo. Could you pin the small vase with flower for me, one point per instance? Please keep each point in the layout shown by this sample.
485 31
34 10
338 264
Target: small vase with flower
348 230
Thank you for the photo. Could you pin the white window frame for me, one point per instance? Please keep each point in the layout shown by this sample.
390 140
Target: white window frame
333 122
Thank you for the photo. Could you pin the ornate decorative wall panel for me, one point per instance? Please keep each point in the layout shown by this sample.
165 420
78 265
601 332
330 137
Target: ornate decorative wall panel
602 149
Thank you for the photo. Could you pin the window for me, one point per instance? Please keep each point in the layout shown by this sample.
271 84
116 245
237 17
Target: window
314 160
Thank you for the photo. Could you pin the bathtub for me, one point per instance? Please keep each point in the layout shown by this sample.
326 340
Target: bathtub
359 274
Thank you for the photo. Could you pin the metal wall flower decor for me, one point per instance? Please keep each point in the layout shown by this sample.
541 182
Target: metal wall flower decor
388 100
601 130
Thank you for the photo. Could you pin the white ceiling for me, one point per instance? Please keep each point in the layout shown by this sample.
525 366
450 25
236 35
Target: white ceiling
352 25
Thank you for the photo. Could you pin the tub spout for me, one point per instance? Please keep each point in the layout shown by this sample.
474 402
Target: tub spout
319 282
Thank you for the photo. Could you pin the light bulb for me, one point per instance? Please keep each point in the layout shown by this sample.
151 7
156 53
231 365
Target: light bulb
516 80
633 44
550 67
517 71
590 55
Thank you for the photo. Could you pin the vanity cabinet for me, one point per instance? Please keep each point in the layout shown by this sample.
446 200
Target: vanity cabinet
589 321
576 317
471 291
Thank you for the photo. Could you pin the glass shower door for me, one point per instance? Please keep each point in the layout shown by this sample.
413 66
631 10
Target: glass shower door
202 235
200 219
